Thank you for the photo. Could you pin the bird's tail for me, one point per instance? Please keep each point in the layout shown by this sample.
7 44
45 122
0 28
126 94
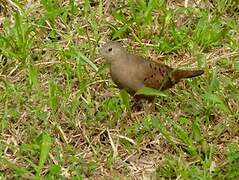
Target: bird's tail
181 74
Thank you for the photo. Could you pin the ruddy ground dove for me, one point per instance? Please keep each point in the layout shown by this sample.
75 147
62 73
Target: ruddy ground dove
132 72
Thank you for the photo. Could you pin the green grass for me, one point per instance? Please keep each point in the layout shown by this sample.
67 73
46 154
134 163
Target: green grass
62 117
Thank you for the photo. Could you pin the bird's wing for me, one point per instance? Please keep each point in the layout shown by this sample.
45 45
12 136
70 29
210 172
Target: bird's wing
157 75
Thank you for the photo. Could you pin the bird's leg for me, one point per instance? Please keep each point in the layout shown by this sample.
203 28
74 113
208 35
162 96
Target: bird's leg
150 107
136 103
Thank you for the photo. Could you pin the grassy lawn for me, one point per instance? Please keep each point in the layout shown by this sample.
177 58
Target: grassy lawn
61 115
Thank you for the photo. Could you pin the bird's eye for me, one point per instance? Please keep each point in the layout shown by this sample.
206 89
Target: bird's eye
110 49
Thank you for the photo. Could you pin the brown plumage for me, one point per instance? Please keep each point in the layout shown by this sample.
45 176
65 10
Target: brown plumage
133 72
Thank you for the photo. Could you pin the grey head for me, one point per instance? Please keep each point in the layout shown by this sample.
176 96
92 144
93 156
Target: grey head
112 51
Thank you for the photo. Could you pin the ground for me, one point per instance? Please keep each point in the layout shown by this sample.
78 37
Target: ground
62 117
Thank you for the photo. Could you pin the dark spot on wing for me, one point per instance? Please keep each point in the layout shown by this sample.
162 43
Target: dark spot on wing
161 71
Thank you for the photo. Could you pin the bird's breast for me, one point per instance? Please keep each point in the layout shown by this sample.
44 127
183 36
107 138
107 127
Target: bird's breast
125 77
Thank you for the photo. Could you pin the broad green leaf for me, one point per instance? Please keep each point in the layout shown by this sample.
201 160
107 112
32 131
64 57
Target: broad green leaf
52 92
120 31
125 98
81 56
196 131
44 141
150 92
33 77
215 99
214 84
19 171
233 152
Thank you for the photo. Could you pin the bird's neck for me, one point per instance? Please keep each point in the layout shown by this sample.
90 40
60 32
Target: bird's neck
121 59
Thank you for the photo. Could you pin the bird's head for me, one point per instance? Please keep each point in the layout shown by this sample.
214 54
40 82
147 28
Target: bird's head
112 51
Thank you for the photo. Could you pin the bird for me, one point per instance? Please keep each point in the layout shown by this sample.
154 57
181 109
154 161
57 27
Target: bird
133 72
